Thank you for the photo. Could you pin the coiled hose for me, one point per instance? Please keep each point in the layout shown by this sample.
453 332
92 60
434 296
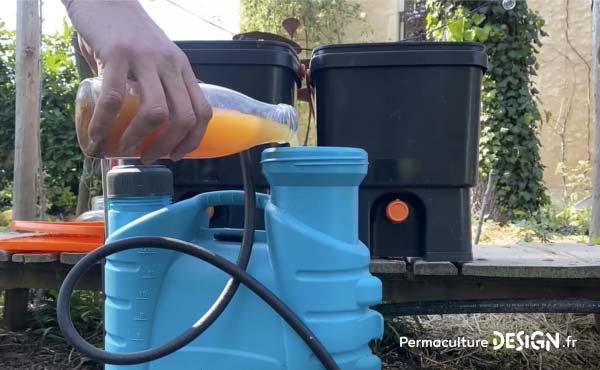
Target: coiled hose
237 272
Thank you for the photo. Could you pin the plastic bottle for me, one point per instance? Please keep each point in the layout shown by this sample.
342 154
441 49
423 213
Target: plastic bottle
238 123
131 278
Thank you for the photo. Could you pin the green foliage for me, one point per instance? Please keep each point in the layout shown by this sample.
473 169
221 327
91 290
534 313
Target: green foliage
578 181
322 21
61 157
556 222
510 117
7 114
565 220
86 313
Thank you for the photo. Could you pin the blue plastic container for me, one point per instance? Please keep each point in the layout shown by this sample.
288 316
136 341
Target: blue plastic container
309 255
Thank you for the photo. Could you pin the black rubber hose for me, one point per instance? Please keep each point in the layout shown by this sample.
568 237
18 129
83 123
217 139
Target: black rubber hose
213 313
232 269
237 272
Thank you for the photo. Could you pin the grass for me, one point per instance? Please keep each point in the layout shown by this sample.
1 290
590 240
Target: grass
494 233
585 355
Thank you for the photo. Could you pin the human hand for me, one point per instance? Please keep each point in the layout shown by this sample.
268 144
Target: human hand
121 41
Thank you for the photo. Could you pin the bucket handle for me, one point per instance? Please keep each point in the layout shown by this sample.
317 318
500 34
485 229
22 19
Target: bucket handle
229 198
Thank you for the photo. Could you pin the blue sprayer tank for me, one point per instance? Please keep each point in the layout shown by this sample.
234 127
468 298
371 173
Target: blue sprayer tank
309 255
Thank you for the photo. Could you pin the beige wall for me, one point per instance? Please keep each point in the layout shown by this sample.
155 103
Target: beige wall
563 82
381 18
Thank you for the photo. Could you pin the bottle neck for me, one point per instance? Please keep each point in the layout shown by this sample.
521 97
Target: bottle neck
123 210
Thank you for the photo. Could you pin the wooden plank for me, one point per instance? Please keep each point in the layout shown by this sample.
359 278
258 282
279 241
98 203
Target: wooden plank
402 288
421 267
27 112
535 261
44 276
383 266
35 257
595 222
15 308
4 256
69 258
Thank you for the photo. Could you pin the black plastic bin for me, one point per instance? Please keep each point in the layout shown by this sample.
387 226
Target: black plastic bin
415 108
264 70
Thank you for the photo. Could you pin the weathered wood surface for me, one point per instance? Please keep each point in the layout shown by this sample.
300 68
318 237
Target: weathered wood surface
15 309
424 268
503 264
71 258
560 261
381 266
27 112
4 256
35 257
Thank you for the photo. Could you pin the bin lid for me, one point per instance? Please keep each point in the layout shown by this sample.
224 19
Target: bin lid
93 229
399 54
241 52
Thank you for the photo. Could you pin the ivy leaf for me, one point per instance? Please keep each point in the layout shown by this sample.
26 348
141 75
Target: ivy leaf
469 35
457 29
483 33
431 20
478 18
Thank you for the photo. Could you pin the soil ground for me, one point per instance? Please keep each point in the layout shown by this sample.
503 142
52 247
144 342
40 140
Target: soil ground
39 350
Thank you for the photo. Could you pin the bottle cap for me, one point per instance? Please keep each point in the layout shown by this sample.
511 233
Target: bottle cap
137 181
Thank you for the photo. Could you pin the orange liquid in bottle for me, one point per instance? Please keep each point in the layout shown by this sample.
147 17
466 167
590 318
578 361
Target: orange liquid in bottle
228 132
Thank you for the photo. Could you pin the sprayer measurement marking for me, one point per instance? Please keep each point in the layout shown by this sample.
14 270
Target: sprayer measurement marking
140 317
150 274
143 295
138 337
146 252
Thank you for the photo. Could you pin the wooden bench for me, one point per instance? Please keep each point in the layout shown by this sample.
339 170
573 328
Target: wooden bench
522 272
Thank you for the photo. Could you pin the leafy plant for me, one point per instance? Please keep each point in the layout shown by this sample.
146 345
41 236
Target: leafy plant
61 157
322 21
86 313
578 183
510 116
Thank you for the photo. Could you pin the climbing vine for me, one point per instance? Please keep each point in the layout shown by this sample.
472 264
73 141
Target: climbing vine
510 117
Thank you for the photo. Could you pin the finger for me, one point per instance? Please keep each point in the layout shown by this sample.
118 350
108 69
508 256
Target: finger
152 112
182 117
108 105
203 115
87 54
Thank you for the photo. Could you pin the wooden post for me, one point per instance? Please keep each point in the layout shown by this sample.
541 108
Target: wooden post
401 10
27 140
595 224
27 121
15 308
